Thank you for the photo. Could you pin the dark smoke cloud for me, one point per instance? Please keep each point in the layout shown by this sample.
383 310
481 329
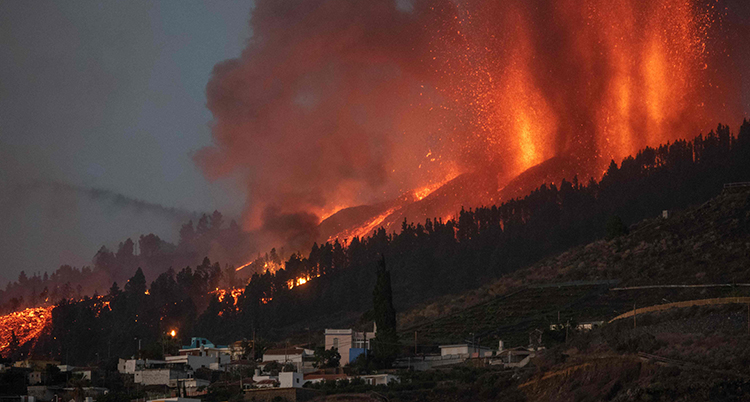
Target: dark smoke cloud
335 103
314 112
295 229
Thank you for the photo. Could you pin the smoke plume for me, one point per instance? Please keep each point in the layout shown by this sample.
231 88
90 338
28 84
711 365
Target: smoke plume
335 103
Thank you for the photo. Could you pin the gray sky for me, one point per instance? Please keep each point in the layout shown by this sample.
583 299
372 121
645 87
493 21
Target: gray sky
107 95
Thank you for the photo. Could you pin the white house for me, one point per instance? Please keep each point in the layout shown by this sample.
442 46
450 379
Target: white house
130 366
196 362
371 379
160 376
379 379
348 342
204 347
465 349
287 355
301 358
291 379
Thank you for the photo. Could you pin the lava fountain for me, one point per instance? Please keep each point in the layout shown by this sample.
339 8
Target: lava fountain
333 104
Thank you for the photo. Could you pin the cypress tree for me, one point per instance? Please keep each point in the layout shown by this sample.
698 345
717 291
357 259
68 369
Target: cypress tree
385 346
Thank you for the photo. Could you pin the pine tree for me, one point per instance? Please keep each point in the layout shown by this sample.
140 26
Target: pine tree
136 284
114 290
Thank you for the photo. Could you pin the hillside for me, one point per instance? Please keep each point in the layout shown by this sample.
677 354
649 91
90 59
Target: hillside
488 186
332 284
690 354
706 244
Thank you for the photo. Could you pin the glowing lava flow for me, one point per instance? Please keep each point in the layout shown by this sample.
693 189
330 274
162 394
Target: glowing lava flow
26 325
364 229
292 283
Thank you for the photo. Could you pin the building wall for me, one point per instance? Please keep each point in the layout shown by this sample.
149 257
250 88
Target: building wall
291 379
35 378
362 340
157 376
129 366
379 379
478 351
43 392
455 350
342 340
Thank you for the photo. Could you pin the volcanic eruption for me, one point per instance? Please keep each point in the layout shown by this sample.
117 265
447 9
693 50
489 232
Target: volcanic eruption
412 109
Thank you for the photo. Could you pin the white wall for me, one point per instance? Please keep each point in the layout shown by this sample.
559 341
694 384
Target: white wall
157 376
291 380
454 350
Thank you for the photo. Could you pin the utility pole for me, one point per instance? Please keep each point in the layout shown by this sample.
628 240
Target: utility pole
635 313
415 341
748 318
253 345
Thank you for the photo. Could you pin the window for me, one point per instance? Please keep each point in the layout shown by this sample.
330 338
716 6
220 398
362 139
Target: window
336 343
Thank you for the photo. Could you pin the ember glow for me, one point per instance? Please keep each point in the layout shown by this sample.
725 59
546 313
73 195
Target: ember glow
234 293
292 283
27 325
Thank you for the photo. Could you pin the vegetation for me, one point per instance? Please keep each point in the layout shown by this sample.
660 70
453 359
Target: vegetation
327 358
460 383
385 346
425 260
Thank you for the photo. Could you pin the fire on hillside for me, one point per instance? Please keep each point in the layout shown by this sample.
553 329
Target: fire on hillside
490 89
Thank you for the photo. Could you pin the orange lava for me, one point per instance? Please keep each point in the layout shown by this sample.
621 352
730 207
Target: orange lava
364 229
292 283
27 326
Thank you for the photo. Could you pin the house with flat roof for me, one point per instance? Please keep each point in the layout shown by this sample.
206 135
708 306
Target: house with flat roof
204 347
301 358
349 343
465 350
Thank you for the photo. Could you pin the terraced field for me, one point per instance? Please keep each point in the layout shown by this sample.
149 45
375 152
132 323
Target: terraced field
511 317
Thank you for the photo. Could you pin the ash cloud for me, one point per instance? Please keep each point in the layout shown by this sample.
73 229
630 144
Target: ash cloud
335 103
298 229
315 111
